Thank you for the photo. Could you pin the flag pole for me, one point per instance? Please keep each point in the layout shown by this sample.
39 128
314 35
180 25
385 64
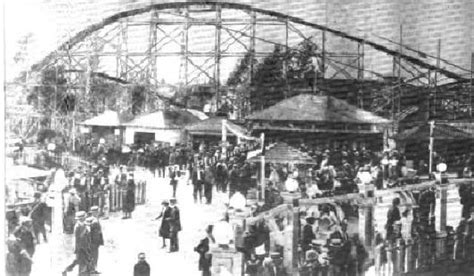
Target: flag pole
262 165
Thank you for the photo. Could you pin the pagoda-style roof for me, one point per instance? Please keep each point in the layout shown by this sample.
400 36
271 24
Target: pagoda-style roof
171 118
213 127
282 153
440 132
107 119
313 108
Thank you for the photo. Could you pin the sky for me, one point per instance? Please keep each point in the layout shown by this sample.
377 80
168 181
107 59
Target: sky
24 17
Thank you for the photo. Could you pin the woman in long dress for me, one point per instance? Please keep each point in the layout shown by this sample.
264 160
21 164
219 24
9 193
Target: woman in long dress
164 231
129 201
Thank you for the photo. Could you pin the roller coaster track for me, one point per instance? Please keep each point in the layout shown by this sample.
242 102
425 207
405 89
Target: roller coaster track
81 35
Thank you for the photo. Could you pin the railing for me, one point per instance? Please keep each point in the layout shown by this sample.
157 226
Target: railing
448 253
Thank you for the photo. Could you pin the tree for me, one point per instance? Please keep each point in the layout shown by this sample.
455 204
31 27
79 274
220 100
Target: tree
268 83
52 93
138 94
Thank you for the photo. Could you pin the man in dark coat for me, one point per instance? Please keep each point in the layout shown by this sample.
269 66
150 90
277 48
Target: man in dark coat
208 184
24 234
175 226
97 238
173 180
205 259
308 234
142 268
82 247
233 179
164 231
129 200
221 176
38 216
393 215
197 181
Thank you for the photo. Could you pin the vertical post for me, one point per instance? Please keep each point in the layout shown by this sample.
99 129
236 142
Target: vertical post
285 61
399 70
431 146
183 71
438 61
262 166
471 91
151 70
217 73
224 137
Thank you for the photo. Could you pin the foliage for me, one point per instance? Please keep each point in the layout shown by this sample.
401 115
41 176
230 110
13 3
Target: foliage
241 71
268 81
138 95
52 94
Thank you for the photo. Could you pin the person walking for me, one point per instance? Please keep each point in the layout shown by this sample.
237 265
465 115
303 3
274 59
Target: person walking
208 184
141 268
205 258
393 215
173 179
73 205
175 226
82 248
24 234
164 231
97 238
129 201
38 216
221 176
197 181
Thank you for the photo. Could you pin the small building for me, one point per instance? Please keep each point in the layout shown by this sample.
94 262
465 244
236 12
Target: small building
165 126
107 126
209 131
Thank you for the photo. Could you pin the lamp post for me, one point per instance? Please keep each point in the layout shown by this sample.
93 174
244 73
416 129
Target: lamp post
431 146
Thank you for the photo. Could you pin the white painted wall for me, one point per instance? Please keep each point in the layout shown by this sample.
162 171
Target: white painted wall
171 136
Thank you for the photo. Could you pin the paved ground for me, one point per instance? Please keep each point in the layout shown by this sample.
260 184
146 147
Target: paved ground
124 239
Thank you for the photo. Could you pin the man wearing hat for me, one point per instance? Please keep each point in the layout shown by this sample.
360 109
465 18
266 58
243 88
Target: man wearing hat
175 226
308 233
73 204
83 243
273 265
25 236
38 216
197 179
97 238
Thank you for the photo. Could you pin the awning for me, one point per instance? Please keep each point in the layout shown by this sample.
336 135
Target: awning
281 153
213 127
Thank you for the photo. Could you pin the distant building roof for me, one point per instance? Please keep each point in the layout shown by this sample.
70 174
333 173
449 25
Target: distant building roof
213 127
283 153
164 119
440 132
312 108
108 119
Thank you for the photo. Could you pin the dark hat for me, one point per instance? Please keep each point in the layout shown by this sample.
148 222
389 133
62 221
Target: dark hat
311 256
173 200
37 195
165 202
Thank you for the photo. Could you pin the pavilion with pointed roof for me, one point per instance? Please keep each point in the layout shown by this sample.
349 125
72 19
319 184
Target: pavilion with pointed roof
315 119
